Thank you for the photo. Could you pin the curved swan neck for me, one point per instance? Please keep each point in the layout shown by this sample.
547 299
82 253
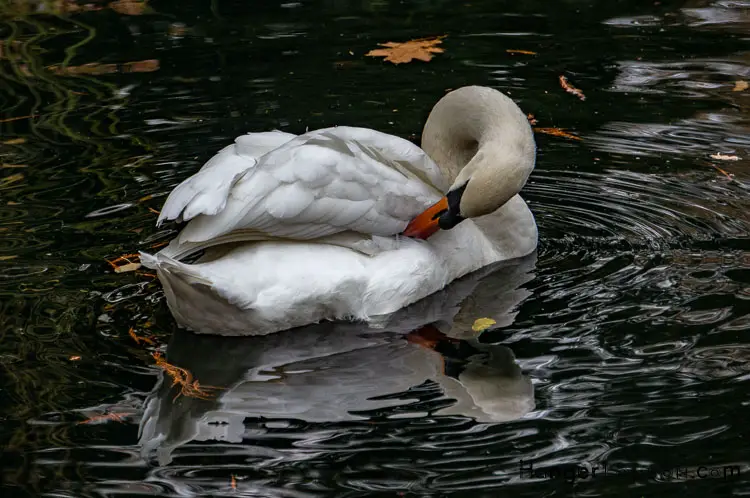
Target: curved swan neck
473 119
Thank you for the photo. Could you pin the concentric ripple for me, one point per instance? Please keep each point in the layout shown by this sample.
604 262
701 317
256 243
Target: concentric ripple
640 210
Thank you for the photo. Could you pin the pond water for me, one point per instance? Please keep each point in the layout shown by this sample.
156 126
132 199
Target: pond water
621 346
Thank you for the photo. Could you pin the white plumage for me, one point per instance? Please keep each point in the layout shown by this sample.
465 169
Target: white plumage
321 183
304 228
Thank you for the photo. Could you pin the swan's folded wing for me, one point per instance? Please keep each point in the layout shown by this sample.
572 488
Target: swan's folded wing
326 182
206 191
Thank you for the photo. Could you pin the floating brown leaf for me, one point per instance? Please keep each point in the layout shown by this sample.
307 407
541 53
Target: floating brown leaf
188 387
8 258
74 358
139 339
740 86
95 68
234 482
399 53
570 88
16 118
8 166
557 132
728 175
522 52
107 416
129 7
724 157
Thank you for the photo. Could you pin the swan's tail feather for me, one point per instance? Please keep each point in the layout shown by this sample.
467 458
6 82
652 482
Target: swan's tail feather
163 263
194 300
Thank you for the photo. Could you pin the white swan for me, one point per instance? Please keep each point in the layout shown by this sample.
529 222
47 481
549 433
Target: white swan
327 225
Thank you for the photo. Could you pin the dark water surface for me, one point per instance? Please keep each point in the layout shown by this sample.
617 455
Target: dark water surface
623 343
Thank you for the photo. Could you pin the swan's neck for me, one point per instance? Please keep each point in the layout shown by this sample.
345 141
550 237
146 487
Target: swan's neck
477 119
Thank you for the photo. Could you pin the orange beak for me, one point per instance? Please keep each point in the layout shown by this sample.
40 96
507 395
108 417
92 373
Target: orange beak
425 224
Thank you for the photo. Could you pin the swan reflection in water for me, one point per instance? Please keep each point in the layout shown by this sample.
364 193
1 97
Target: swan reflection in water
338 371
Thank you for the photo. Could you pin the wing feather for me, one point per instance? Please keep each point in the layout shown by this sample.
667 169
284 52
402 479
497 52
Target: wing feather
316 185
206 192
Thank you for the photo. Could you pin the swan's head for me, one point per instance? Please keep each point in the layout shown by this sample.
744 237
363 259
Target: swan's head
483 143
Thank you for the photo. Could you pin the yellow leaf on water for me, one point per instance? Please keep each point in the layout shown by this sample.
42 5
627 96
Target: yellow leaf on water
740 86
481 324
6 258
522 52
8 166
74 358
128 267
399 53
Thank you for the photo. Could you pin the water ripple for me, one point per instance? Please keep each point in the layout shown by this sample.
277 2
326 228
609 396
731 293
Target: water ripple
639 209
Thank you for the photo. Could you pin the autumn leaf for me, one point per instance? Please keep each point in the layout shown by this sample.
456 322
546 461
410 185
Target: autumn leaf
481 324
724 157
8 258
138 339
129 7
74 358
127 267
728 175
95 68
15 141
522 52
125 263
234 482
399 53
740 86
108 416
188 387
557 132
570 88
16 118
